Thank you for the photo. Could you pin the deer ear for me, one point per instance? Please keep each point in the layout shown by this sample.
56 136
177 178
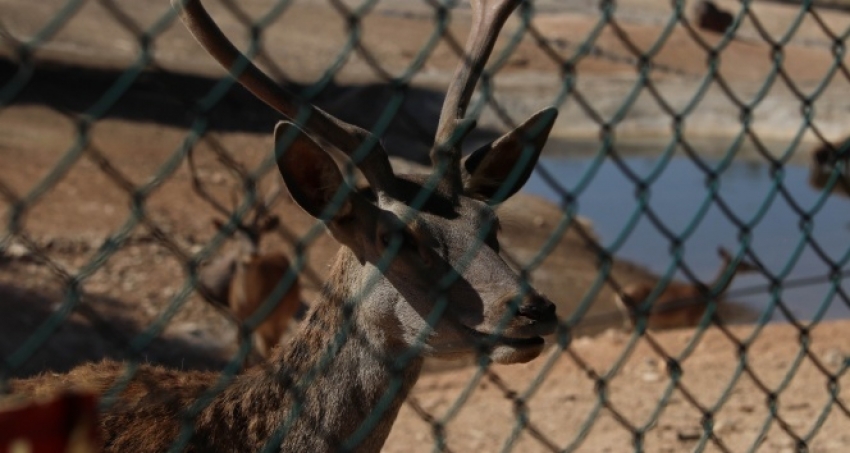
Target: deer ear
499 169
310 174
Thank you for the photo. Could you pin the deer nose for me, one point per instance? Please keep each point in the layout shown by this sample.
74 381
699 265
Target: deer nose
537 308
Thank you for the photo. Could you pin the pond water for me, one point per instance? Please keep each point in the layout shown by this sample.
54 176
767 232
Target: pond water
678 196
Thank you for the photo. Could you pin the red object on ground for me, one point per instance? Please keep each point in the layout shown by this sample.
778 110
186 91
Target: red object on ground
67 423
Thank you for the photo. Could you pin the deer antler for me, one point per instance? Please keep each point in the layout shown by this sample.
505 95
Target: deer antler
264 207
198 186
488 18
348 138
726 259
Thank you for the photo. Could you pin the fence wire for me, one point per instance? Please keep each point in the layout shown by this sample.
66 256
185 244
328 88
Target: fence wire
210 112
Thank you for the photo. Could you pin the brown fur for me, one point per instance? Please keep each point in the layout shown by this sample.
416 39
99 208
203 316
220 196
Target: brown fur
679 304
243 279
147 415
255 279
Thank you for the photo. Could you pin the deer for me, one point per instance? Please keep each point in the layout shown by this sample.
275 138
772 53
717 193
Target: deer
245 278
678 304
825 159
418 274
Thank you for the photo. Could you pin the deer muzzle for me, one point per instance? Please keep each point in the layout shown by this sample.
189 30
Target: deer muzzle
517 334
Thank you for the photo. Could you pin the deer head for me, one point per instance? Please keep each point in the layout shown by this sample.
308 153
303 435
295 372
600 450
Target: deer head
257 223
420 253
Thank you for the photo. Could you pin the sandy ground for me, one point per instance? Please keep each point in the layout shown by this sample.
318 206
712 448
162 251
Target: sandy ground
720 401
308 37
133 289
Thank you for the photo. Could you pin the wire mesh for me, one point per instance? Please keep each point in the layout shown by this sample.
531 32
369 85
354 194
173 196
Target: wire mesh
93 109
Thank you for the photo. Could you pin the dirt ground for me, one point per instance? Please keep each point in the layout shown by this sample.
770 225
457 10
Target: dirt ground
719 392
77 193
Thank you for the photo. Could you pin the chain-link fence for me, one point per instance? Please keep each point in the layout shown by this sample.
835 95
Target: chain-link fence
146 221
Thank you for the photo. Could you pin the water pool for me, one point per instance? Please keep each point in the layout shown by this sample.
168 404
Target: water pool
678 194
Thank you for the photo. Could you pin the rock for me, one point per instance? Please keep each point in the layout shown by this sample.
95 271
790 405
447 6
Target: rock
17 251
834 358
650 376
711 17
689 434
128 285
725 427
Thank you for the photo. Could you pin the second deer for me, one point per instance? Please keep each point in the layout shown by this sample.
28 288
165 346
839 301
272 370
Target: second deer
679 304
245 279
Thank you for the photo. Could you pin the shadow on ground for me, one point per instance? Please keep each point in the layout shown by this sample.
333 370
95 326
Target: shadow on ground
80 339
174 99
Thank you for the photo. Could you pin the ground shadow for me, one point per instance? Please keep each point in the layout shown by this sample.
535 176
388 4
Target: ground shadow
87 338
173 98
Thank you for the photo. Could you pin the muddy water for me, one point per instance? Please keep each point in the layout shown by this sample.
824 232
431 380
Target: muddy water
774 206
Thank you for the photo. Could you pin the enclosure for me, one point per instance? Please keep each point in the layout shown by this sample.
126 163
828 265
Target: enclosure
672 140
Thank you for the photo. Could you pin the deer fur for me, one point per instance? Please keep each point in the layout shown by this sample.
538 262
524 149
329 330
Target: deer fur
679 304
418 274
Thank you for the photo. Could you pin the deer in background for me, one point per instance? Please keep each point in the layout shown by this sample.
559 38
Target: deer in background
824 160
244 278
418 274
679 304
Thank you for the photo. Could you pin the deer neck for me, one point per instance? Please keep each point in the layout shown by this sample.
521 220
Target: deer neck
344 378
